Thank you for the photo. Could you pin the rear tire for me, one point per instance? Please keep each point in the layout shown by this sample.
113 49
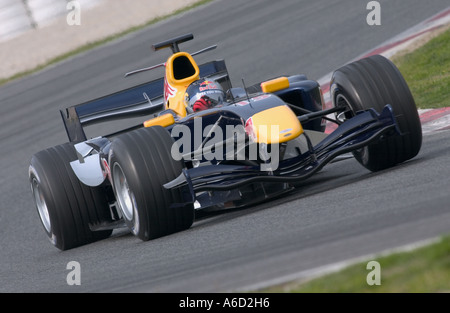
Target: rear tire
66 206
141 163
374 82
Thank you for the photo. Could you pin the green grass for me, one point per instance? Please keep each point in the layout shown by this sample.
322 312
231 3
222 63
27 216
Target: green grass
100 42
424 270
427 72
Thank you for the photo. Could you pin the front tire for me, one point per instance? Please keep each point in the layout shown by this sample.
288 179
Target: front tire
141 163
374 82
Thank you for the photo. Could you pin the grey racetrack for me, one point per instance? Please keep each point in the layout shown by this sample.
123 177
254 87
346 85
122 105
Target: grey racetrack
343 212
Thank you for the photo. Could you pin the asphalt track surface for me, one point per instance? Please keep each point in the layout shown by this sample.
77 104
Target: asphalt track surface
343 212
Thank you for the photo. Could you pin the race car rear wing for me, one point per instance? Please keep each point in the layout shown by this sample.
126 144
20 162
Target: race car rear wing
141 100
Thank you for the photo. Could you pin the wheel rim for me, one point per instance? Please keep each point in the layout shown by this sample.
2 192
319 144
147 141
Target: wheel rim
124 195
341 100
41 205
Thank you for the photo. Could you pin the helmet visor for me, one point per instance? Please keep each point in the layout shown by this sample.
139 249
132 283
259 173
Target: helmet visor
215 96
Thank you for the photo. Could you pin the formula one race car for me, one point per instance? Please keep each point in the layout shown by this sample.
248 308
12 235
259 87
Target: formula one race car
211 146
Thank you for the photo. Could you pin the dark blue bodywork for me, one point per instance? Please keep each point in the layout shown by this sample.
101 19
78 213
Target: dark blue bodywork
221 185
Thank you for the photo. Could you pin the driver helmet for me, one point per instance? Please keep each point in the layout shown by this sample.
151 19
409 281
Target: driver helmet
204 94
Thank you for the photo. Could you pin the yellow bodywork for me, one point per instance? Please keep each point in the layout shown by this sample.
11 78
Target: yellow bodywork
275 125
163 120
175 87
177 79
275 84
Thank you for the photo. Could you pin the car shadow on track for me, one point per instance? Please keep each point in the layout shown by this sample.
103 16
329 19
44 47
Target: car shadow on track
336 175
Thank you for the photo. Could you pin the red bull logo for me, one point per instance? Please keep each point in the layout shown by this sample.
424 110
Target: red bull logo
207 85
169 91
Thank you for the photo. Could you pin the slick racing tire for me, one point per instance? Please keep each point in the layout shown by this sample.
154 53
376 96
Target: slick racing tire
374 82
66 206
141 163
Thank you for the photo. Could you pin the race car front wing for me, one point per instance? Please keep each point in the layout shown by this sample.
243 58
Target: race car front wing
364 128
